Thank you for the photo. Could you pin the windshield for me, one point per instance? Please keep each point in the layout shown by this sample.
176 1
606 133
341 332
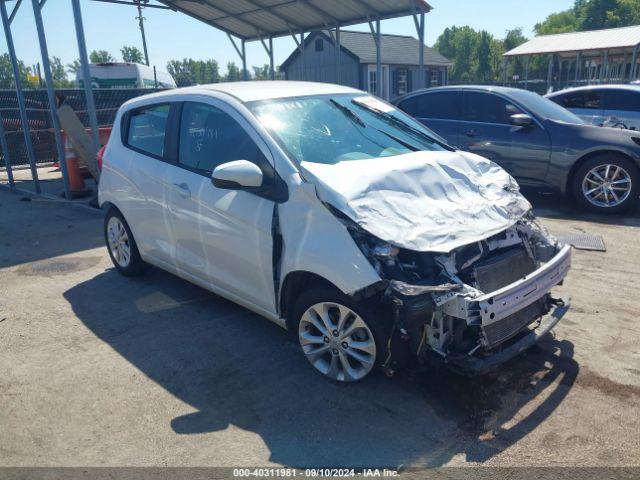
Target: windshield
545 108
335 128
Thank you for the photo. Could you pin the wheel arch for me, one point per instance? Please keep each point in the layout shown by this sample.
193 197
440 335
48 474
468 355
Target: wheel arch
293 285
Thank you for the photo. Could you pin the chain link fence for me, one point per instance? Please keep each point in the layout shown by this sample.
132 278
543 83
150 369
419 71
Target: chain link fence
39 119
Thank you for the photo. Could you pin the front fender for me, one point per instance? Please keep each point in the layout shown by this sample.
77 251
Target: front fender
316 241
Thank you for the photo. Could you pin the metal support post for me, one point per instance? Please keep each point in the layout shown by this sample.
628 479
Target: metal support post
144 38
526 71
550 74
337 47
304 60
6 154
6 23
634 63
603 67
53 108
245 72
578 67
86 74
272 70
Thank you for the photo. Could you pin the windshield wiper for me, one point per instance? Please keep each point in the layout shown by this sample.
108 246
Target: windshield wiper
396 122
355 118
349 113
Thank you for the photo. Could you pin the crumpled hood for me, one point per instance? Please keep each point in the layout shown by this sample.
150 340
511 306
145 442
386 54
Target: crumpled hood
422 201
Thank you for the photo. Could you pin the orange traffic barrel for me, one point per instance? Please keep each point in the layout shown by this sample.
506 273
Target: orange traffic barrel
74 172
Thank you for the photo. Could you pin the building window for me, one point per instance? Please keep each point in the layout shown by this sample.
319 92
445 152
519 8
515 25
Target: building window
373 81
402 81
319 45
434 77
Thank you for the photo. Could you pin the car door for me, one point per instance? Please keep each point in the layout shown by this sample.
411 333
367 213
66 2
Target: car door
487 130
145 204
223 237
438 110
624 105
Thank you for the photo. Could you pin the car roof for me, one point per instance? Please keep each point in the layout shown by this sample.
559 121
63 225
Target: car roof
590 88
260 90
454 88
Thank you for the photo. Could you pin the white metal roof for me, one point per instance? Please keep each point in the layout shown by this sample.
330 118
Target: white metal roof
255 19
625 37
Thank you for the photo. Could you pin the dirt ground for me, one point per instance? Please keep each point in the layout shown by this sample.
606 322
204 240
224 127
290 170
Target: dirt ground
101 370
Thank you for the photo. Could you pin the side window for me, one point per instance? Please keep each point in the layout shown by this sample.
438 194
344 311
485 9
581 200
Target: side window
410 106
209 137
588 100
147 128
488 108
622 100
440 105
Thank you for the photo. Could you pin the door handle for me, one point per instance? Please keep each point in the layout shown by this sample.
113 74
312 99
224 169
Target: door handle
472 133
183 189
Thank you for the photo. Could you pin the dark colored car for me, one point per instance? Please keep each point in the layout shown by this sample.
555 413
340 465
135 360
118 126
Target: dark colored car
539 142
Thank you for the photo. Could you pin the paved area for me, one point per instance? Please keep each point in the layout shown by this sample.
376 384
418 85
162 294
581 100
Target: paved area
97 369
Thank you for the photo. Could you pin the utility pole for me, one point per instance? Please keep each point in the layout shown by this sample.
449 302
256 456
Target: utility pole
140 19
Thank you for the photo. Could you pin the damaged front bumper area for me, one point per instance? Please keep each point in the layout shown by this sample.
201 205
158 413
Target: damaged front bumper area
477 306
504 317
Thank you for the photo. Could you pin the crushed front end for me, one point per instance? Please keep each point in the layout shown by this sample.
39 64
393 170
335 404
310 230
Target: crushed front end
476 306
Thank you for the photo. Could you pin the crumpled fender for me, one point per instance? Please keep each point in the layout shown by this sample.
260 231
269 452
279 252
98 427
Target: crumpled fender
314 240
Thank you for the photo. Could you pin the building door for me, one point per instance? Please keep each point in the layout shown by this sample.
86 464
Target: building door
373 84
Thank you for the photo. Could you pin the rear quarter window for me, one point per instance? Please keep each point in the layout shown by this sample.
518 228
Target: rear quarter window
146 129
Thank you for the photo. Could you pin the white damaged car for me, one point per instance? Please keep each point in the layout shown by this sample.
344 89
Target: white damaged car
336 216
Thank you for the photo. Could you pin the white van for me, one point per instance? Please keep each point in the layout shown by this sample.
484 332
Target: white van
126 75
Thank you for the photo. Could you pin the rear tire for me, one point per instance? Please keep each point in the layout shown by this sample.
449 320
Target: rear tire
342 339
121 245
607 183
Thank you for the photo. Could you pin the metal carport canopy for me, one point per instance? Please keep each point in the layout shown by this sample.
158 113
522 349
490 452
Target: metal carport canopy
259 19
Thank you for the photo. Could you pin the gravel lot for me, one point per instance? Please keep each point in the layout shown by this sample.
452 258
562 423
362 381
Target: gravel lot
101 370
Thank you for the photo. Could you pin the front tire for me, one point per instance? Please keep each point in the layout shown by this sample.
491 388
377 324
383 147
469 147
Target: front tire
121 245
607 183
339 337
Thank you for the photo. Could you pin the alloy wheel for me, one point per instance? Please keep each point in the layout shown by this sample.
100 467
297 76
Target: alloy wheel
119 242
606 185
337 341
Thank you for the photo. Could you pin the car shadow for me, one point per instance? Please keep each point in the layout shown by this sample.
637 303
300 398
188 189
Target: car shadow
553 205
236 368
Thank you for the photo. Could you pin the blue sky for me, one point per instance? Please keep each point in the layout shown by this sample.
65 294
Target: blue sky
173 35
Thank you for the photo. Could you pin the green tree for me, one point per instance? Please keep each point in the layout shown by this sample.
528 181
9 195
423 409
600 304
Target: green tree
193 72
6 72
261 73
74 67
132 55
233 73
484 71
101 56
59 73
591 15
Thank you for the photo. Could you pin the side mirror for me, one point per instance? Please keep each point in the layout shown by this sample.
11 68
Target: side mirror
238 174
521 120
